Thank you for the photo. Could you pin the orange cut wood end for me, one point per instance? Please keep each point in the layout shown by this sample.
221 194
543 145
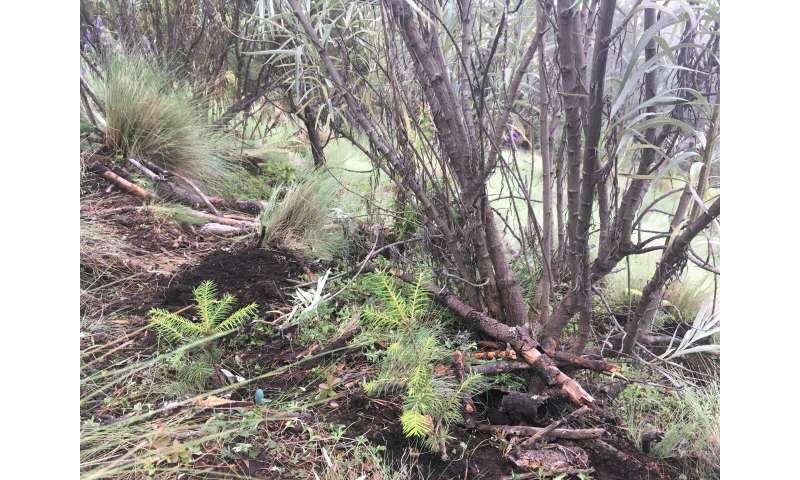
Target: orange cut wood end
576 393
531 356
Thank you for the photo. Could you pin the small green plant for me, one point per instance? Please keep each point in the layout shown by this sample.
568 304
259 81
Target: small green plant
405 322
706 324
215 316
193 369
86 129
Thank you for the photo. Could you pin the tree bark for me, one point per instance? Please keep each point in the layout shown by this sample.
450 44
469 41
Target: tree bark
513 303
310 122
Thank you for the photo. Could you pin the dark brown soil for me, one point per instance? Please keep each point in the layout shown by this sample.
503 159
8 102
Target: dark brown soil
251 274
379 424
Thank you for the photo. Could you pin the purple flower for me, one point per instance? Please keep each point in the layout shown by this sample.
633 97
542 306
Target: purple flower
146 43
515 135
99 23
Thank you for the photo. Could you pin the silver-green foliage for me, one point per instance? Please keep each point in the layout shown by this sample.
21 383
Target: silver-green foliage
405 321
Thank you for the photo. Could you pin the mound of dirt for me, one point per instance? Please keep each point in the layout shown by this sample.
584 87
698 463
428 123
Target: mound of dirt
251 274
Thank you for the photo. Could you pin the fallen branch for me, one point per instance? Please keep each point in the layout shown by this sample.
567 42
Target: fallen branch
566 359
130 187
555 424
518 337
247 206
199 193
565 433
220 229
244 224
498 367
168 190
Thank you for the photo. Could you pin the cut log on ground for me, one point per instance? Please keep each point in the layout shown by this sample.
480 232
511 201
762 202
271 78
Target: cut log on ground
498 367
130 187
563 360
518 337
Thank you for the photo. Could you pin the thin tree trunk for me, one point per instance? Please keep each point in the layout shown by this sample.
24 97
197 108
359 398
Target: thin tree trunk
513 303
560 215
547 178
310 122
705 170
680 215
669 266
582 187
486 270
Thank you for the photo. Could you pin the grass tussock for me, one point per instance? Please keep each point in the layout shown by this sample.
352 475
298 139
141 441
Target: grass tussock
688 419
301 217
149 114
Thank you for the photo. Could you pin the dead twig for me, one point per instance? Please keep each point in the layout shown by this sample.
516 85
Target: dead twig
565 433
555 424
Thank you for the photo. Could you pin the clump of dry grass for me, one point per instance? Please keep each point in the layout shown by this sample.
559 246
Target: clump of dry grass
302 219
151 115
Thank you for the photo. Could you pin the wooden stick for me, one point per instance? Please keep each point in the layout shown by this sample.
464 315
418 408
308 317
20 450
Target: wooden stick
120 182
555 424
220 229
565 433
224 220
148 173
197 191
498 367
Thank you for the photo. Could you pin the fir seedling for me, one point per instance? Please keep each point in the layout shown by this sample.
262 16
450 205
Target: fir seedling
214 316
215 319
431 397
